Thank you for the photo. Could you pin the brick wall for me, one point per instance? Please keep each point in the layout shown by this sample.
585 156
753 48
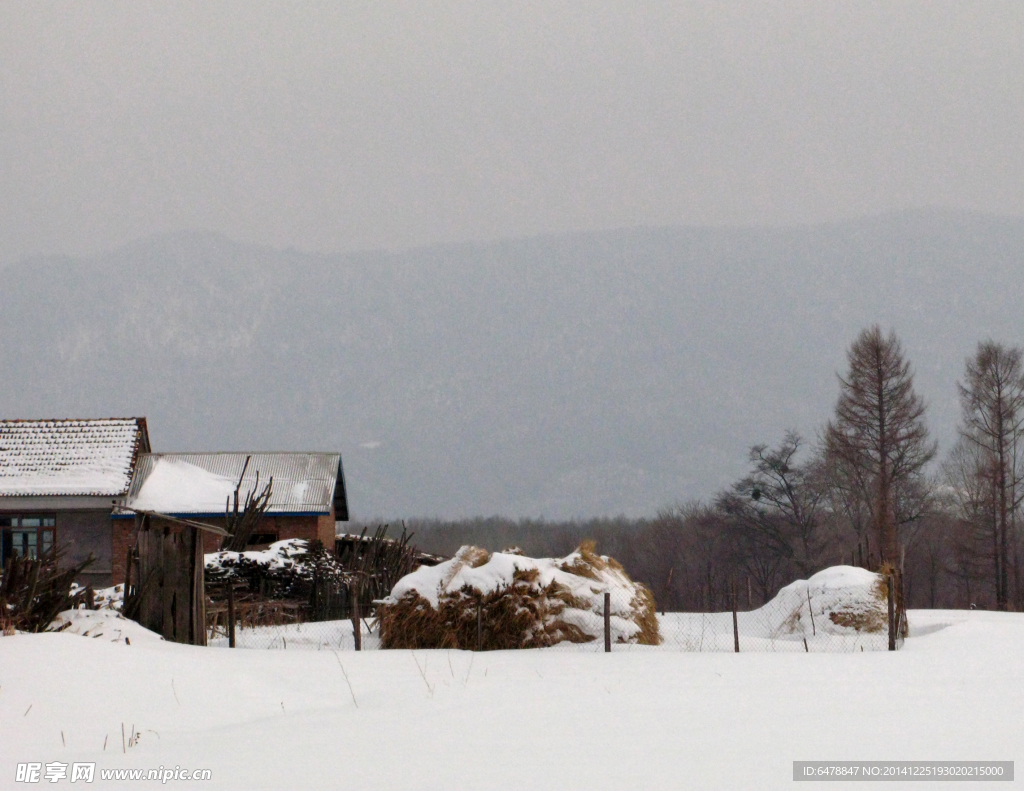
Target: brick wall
284 527
83 533
122 539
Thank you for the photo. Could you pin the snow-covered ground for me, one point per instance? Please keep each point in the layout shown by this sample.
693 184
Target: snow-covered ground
642 718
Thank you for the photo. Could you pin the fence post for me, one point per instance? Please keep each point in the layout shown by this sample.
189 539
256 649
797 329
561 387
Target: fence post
357 631
735 621
90 598
479 625
231 615
607 622
892 614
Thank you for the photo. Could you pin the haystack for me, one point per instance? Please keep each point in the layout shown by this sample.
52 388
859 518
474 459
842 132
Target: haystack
523 602
840 600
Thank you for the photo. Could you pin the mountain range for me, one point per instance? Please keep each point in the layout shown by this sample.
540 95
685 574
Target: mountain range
559 376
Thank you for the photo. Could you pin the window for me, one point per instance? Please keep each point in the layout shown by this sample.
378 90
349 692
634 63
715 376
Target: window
26 536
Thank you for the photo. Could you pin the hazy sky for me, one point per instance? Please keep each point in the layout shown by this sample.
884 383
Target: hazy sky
341 126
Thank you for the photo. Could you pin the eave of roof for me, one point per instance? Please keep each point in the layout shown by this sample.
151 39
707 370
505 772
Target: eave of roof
200 484
69 457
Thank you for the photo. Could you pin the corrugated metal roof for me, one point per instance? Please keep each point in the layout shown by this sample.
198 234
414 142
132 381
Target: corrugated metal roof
69 457
195 484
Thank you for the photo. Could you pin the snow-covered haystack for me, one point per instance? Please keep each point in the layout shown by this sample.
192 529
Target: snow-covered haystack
524 602
840 600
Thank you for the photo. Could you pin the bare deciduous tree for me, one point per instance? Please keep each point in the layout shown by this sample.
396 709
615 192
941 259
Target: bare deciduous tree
775 511
992 403
878 437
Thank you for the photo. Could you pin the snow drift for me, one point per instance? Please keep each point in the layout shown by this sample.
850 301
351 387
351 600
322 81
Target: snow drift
523 602
104 624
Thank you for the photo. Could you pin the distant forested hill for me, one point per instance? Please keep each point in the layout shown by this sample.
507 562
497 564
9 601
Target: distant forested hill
575 375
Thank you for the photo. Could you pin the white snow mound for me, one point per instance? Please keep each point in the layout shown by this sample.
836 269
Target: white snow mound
838 600
107 625
279 555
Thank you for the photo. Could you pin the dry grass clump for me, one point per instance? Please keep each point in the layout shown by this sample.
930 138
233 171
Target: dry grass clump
862 620
643 611
585 562
523 612
646 616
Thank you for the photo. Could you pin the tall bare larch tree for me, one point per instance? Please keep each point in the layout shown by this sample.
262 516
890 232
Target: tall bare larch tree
878 436
992 404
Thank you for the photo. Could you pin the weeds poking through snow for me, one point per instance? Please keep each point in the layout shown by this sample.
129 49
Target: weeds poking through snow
175 693
350 690
27 710
107 736
62 739
423 673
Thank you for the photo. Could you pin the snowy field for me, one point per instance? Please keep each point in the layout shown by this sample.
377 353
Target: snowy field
643 718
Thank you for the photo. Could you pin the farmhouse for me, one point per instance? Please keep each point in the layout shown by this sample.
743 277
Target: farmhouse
58 482
307 495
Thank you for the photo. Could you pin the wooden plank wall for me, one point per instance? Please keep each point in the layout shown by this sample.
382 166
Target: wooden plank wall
172 596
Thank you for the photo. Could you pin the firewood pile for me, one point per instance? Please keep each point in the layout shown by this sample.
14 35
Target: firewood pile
319 584
377 562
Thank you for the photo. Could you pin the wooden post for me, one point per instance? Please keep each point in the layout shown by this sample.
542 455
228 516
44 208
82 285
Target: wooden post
90 598
607 622
480 625
231 615
892 614
198 592
357 632
128 574
735 621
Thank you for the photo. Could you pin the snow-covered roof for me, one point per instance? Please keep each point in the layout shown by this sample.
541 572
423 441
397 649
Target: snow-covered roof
199 484
69 457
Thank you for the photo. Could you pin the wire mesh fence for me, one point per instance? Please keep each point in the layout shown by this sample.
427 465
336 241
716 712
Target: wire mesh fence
758 631
806 621
825 617
304 635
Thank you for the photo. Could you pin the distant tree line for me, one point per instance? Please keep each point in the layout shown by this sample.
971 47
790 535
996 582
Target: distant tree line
863 492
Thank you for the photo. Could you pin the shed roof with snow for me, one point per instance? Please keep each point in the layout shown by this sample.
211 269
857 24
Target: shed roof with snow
95 457
200 484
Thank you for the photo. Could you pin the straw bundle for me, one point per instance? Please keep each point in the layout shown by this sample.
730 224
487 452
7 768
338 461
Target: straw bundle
520 602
